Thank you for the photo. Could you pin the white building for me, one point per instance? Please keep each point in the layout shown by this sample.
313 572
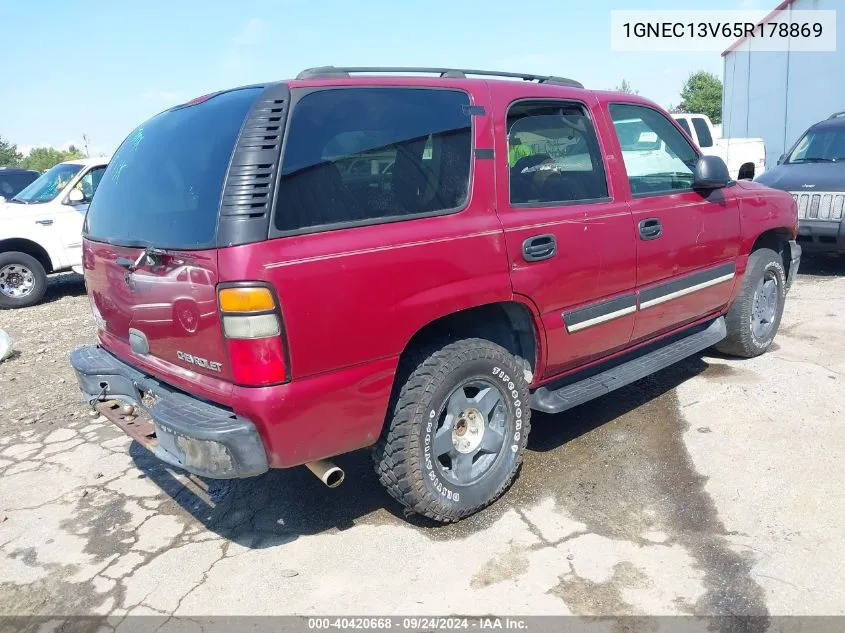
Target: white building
776 96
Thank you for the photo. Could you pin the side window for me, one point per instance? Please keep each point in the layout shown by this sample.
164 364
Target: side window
705 139
90 181
685 125
357 155
657 157
553 154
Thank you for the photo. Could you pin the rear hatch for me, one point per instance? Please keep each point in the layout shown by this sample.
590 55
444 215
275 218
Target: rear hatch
151 235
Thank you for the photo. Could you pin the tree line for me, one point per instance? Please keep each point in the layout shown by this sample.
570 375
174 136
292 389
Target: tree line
701 94
38 158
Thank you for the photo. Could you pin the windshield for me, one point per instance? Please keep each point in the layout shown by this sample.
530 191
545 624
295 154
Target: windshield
162 188
825 145
48 185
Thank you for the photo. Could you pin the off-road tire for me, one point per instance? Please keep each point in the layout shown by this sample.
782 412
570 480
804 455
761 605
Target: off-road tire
39 286
428 378
741 340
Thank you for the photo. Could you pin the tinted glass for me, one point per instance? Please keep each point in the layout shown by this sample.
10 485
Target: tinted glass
702 132
163 186
685 125
89 182
358 155
49 184
658 159
553 154
12 183
821 145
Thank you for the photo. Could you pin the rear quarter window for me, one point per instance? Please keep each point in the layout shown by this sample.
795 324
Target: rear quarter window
705 139
367 155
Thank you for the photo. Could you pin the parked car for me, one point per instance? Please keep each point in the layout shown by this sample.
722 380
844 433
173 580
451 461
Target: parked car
425 313
745 157
12 180
813 171
41 229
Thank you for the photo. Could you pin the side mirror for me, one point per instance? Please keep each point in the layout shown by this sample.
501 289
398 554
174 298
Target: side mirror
710 173
75 196
781 159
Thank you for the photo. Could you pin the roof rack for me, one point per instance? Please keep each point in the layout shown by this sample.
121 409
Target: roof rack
836 115
323 72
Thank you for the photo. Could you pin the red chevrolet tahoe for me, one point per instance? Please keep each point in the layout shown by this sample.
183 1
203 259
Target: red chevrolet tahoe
411 261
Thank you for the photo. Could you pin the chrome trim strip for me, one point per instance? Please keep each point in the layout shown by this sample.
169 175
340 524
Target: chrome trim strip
601 319
685 291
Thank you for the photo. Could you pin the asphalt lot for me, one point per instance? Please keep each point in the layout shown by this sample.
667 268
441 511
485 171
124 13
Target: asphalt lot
714 487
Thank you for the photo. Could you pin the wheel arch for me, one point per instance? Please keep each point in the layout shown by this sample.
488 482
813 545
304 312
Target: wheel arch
776 239
746 171
31 248
512 324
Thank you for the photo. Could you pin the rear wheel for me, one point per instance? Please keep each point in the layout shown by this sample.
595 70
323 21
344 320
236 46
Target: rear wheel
754 317
23 281
457 430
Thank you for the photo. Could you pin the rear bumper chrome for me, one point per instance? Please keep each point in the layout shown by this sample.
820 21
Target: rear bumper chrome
184 431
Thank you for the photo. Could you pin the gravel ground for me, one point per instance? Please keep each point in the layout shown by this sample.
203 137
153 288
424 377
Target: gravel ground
713 487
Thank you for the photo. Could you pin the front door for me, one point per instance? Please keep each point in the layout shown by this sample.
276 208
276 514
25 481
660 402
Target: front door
687 241
570 244
69 216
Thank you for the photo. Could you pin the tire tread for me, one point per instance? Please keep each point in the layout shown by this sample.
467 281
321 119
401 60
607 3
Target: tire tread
739 341
396 454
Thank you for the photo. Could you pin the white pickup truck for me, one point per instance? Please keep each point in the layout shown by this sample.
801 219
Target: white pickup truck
41 229
745 157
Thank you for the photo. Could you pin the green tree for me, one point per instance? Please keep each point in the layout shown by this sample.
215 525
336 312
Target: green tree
702 94
42 158
625 87
9 154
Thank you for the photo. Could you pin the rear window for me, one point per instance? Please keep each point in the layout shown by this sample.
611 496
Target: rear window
365 155
704 137
163 185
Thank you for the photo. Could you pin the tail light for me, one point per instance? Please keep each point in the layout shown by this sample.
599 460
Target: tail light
252 325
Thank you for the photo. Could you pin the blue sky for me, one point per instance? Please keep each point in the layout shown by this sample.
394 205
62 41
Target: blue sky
101 67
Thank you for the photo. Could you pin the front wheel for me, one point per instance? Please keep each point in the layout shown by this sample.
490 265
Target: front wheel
456 431
754 317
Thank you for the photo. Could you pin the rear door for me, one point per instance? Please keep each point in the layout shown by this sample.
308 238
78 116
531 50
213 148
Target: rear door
687 241
162 192
384 221
570 243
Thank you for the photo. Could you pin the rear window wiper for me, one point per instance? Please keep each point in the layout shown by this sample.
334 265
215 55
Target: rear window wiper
150 254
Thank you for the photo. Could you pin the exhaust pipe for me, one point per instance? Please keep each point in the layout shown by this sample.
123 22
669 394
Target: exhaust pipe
327 472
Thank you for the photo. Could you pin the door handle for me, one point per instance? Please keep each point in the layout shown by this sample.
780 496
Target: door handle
539 247
44 222
650 229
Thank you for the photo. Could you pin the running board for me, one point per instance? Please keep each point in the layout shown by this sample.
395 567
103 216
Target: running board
551 400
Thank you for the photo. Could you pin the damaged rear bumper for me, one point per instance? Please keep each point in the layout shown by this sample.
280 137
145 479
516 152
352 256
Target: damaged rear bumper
184 431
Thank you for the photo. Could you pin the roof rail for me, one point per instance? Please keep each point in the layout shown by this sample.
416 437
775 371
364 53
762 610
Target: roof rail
836 115
324 72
